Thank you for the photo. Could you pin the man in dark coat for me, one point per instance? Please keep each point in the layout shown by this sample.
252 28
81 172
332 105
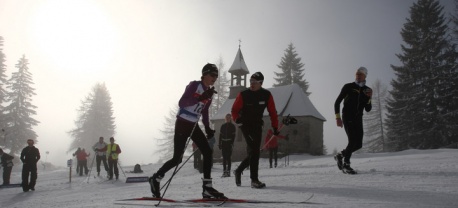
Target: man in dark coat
7 164
29 157
226 143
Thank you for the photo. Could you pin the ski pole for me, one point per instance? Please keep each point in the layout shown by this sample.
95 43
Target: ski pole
90 170
122 170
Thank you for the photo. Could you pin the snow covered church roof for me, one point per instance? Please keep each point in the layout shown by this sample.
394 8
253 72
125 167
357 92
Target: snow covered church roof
239 65
288 99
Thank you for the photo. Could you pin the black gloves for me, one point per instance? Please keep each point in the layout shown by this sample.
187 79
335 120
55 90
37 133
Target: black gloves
210 132
276 132
207 94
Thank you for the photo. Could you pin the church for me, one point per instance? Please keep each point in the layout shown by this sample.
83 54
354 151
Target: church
304 137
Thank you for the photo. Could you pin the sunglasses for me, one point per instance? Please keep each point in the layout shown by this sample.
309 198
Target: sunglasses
252 81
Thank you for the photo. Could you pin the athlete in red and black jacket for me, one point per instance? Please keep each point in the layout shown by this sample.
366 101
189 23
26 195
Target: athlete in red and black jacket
247 112
356 97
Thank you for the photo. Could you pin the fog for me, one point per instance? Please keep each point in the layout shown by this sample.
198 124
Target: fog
146 52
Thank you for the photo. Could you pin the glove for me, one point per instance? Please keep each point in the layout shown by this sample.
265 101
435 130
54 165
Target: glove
210 132
207 94
276 132
238 121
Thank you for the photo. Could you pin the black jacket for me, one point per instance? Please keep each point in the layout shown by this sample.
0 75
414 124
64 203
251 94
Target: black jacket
30 155
355 101
227 134
6 158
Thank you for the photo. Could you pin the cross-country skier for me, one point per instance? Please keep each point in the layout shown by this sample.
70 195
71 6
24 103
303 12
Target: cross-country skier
356 97
247 111
193 104
226 143
100 149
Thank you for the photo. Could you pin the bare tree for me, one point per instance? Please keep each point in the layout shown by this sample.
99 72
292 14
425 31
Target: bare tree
374 126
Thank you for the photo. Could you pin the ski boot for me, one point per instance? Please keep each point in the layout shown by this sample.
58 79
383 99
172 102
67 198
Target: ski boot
257 184
238 178
209 192
347 169
228 173
154 183
338 158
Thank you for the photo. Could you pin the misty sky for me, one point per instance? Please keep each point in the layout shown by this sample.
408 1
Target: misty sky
146 52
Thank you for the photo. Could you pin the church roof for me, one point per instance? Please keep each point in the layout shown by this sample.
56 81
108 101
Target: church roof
239 65
288 99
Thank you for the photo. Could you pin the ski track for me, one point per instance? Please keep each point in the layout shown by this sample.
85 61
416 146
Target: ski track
413 178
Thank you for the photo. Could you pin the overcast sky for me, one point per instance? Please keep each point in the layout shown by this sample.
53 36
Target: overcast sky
146 52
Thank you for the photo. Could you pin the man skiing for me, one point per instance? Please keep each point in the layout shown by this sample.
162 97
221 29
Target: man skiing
193 104
29 157
247 111
100 149
226 143
356 97
7 164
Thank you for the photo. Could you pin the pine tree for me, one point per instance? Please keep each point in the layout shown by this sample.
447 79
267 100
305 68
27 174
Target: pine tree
95 119
418 106
166 143
292 70
374 134
3 92
20 109
222 87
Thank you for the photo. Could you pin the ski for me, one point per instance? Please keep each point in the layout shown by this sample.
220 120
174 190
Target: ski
188 203
213 201
13 185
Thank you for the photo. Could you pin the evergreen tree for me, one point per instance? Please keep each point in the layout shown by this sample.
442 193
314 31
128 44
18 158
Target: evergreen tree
420 104
166 143
222 87
3 92
292 70
20 109
95 119
374 133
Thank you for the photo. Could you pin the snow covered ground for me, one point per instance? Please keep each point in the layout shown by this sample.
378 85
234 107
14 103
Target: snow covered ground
413 178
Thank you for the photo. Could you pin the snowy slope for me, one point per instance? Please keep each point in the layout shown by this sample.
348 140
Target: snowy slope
412 178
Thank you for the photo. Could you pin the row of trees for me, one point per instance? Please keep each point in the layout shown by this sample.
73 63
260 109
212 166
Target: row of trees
16 108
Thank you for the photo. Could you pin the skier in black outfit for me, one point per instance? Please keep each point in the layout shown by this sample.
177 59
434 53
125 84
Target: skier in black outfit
193 104
226 143
247 111
356 97
7 164
29 157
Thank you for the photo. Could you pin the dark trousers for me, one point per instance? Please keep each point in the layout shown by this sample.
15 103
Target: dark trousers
6 175
83 165
183 130
273 154
354 129
113 168
252 134
198 163
29 169
98 160
227 154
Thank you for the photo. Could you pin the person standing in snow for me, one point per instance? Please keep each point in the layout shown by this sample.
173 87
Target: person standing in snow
271 144
226 143
247 111
75 154
82 161
357 97
193 104
113 151
100 149
29 157
7 164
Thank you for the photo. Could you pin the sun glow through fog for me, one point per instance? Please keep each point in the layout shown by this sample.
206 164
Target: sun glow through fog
75 35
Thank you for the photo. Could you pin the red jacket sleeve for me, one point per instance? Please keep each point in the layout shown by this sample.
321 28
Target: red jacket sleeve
272 112
237 106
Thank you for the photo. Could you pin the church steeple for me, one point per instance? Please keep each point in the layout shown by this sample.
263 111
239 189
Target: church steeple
238 72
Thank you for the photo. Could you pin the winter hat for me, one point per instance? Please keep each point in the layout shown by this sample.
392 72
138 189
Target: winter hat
362 70
210 69
258 76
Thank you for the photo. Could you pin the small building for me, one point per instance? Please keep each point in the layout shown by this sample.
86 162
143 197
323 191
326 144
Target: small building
304 137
